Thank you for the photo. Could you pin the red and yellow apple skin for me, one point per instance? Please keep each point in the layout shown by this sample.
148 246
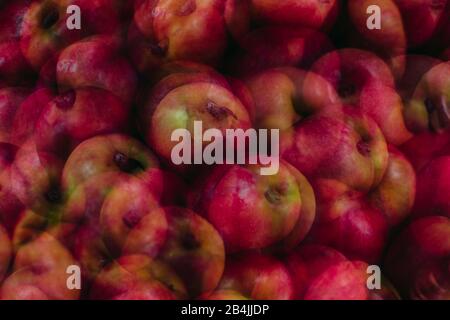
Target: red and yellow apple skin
395 194
77 115
427 109
44 31
137 277
256 276
106 153
96 62
433 187
180 99
39 272
224 295
418 260
193 249
363 80
249 210
168 30
5 252
293 95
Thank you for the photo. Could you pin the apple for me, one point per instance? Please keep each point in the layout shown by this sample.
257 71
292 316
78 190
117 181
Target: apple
44 31
14 69
257 276
426 146
28 113
40 272
129 220
432 189
390 41
242 15
170 30
77 115
249 210
34 178
350 149
106 153
96 62
347 222
395 194
421 19
365 81
277 46
224 295
321 273
180 100
418 260
194 249
10 101
137 277
428 107
5 252
293 95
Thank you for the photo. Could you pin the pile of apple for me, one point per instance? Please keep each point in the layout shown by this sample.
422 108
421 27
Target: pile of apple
87 181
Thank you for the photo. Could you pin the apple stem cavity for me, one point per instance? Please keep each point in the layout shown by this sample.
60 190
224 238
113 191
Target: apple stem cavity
127 164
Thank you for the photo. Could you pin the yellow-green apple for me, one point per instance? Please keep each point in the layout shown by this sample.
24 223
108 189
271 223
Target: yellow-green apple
350 149
293 95
44 31
168 30
14 69
272 47
389 41
250 210
428 108
5 252
137 277
433 186
395 194
194 249
10 100
39 272
77 115
257 276
418 261
106 153
363 80
97 62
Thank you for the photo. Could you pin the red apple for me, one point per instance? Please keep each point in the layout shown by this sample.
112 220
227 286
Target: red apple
250 210
433 186
418 260
107 153
194 249
40 272
96 62
257 276
44 31
75 116
10 101
156 36
224 295
137 277
365 81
